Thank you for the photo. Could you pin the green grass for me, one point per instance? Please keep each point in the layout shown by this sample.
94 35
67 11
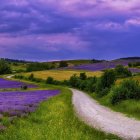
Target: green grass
53 120
130 108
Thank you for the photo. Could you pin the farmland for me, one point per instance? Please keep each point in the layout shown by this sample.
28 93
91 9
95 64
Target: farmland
61 74
4 84
48 109
105 65
53 119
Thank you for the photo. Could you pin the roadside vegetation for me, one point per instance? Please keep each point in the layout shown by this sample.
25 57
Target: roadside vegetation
121 97
53 120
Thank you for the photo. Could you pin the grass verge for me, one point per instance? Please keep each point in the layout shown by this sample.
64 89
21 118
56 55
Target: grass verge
53 120
130 108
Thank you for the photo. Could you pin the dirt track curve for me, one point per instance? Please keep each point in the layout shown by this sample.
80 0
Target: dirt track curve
103 118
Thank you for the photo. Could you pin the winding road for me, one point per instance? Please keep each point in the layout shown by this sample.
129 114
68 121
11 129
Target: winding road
103 118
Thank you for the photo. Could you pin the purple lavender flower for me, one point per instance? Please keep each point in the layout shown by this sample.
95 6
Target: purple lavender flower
16 103
13 84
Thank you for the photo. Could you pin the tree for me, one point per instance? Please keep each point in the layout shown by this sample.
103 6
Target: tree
121 71
74 81
83 76
50 80
63 64
105 82
4 67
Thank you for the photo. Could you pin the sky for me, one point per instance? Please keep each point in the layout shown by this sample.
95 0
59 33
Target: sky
44 30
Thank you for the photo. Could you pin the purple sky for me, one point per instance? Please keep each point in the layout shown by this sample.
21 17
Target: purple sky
69 29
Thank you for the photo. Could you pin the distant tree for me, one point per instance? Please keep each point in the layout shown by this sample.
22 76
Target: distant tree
130 64
74 81
63 64
105 82
121 71
83 76
39 67
4 67
31 77
50 80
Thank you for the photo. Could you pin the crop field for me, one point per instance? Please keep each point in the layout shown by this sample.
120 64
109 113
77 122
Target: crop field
53 119
105 65
101 66
18 103
62 74
4 84
32 114
137 78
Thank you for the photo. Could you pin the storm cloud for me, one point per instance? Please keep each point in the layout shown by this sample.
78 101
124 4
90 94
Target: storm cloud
69 29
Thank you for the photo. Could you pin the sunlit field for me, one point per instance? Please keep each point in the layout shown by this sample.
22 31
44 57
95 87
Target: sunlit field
137 78
62 74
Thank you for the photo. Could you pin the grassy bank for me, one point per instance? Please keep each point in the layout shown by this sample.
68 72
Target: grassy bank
131 108
53 120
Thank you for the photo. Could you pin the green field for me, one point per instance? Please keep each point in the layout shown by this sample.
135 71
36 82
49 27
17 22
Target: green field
61 74
54 120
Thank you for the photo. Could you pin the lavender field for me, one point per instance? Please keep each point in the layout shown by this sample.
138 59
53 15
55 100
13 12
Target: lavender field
18 103
105 65
4 84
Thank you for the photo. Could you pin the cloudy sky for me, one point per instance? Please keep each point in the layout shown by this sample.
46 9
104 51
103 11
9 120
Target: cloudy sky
69 29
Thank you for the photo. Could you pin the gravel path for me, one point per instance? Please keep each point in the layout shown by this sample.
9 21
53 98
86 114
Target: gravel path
103 118
10 76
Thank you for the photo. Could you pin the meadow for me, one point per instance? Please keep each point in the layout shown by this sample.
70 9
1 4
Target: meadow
61 75
37 113
54 119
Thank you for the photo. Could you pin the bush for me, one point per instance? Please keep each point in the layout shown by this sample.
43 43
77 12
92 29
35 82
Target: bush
91 84
83 76
135 64
105 82
63 64
39 66
122 72
31 77
19 76
128 89
24 87
74 81
50 80
4 67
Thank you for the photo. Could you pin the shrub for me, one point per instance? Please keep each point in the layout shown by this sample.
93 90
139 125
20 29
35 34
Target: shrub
4 67
63 64
39 66
50 80
19 76
31 77
83 76
74 81
82 84
105 82
91 84
128 89
122 72
24 87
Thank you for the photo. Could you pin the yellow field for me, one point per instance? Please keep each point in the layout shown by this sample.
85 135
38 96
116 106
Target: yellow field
137 78
61 74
